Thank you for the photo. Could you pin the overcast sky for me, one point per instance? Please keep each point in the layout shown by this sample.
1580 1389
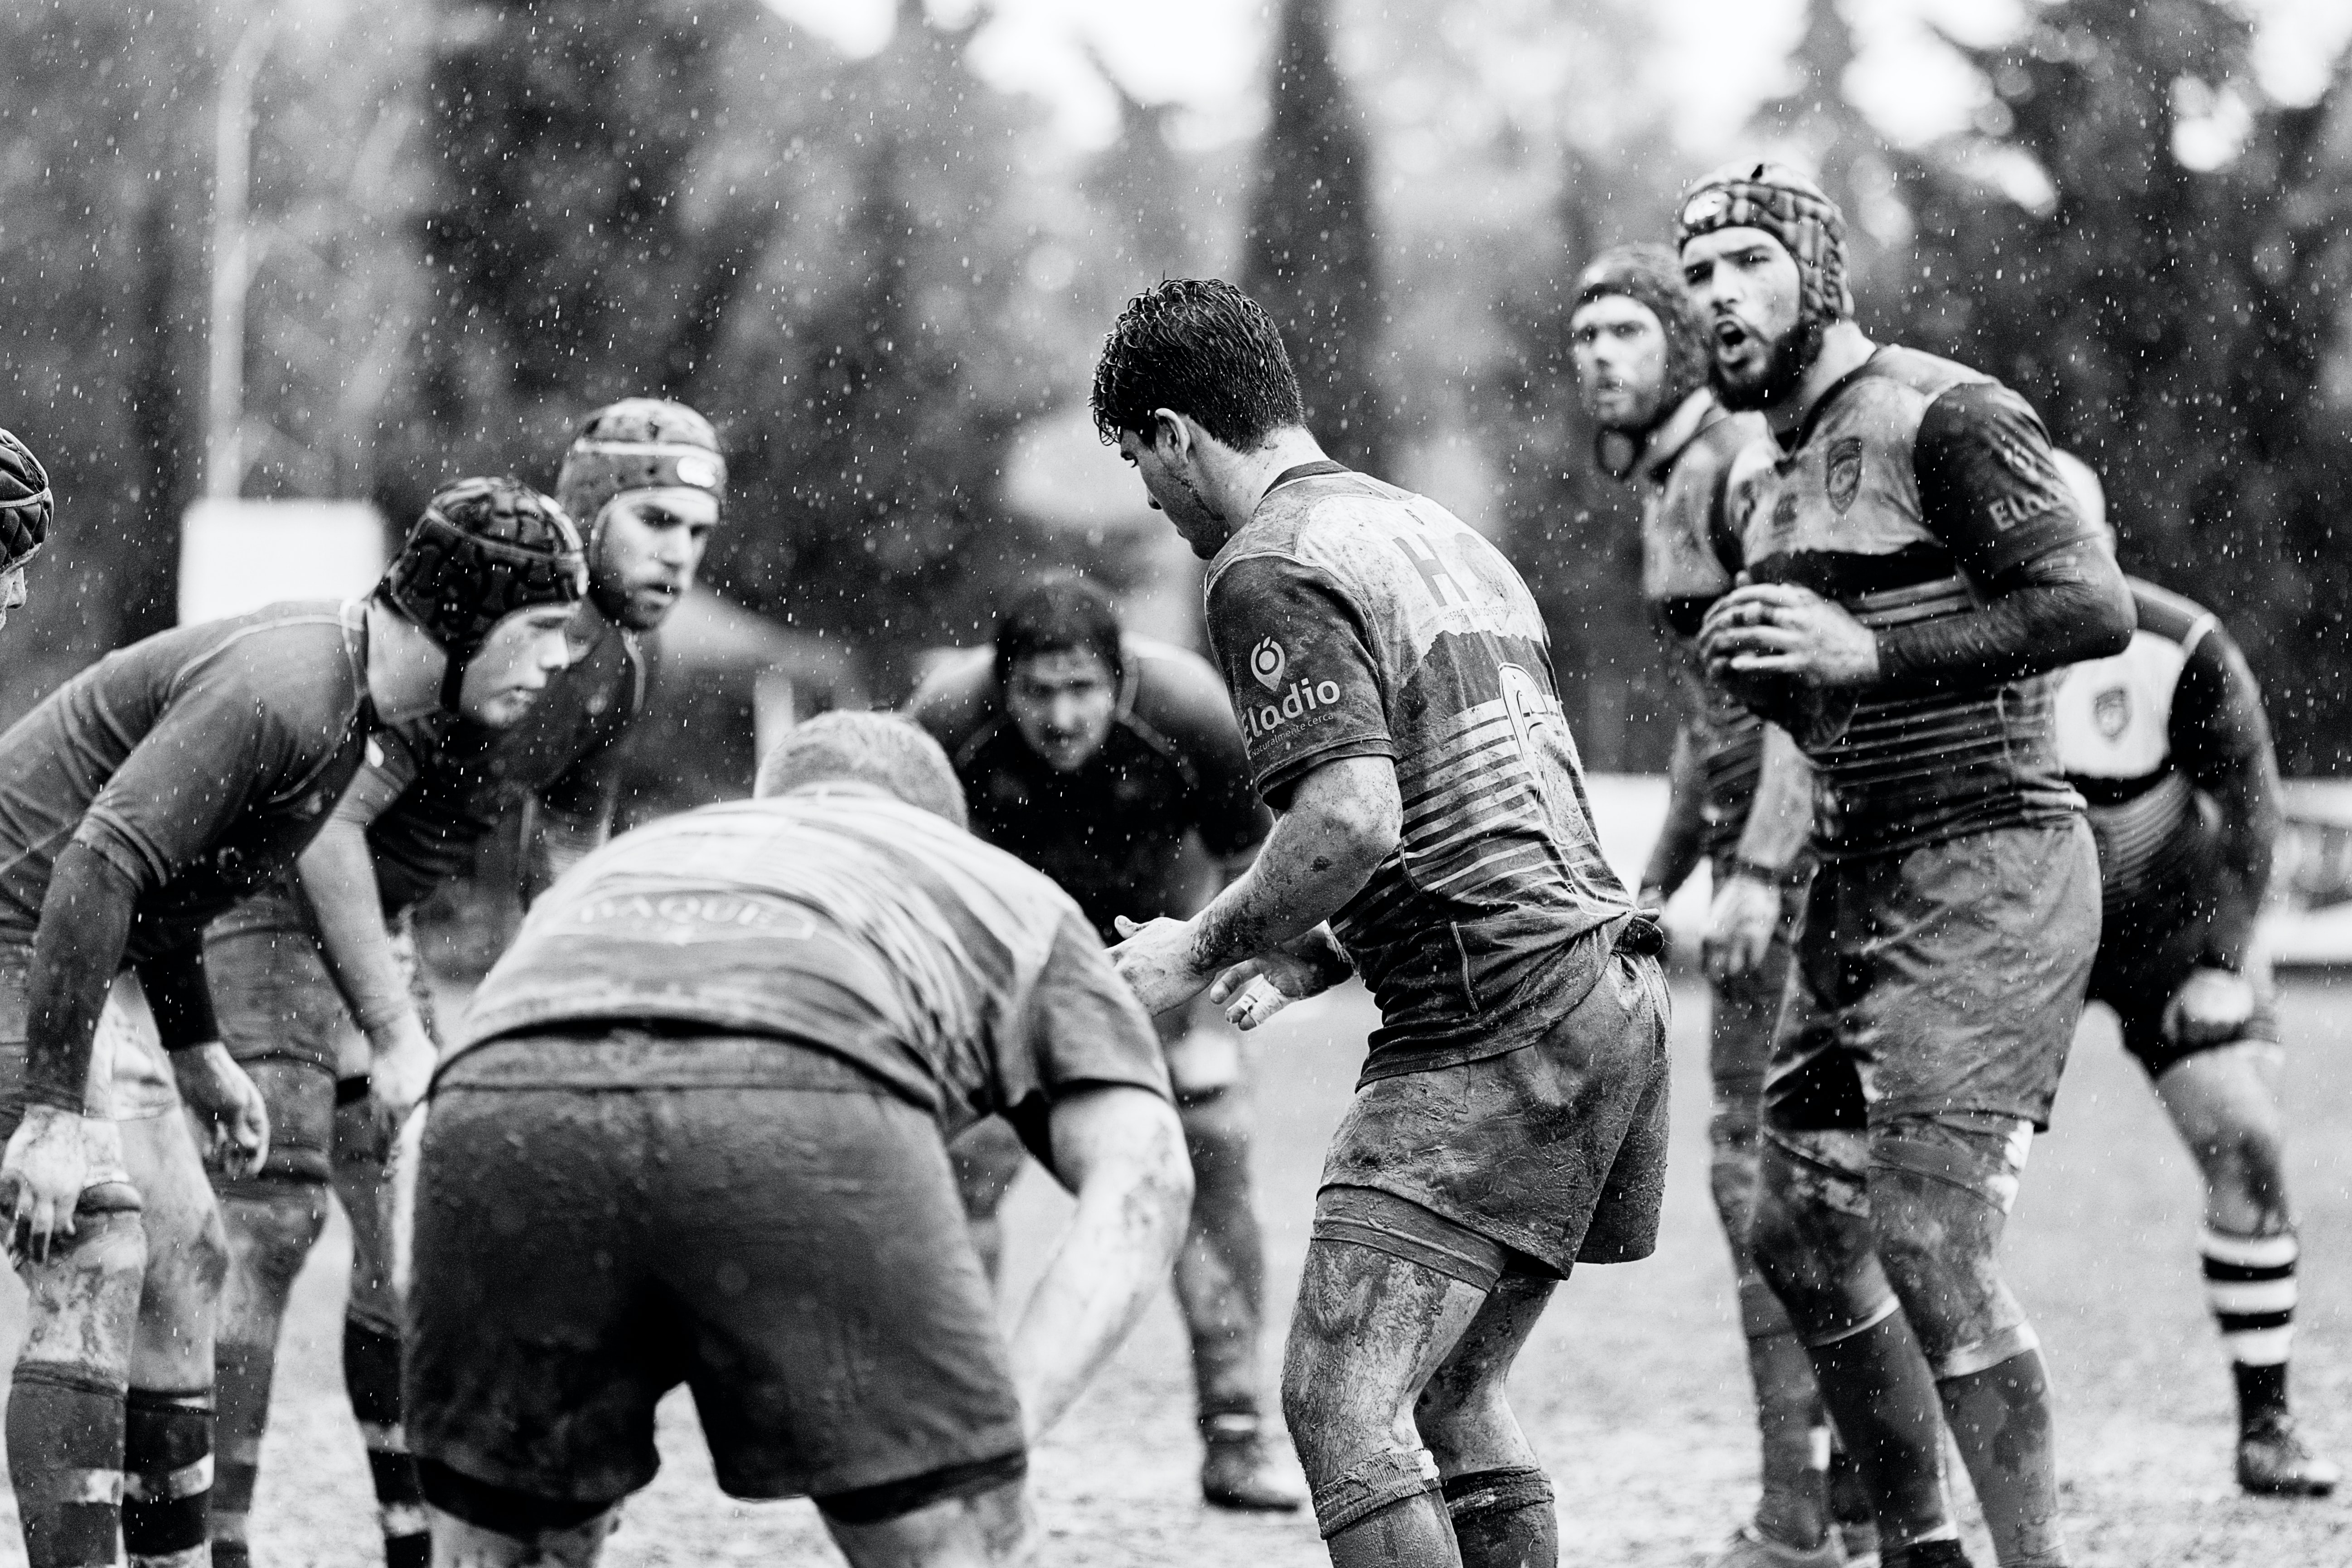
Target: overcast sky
1724 55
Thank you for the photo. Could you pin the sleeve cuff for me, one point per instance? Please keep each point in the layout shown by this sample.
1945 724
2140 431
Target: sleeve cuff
1282 776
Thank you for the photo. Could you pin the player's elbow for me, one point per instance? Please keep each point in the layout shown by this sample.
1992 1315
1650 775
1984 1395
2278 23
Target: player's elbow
1353 812
2105 615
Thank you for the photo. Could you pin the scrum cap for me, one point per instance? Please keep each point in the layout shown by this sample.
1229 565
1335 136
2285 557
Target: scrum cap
1792 209
485 549
25 503
1651 276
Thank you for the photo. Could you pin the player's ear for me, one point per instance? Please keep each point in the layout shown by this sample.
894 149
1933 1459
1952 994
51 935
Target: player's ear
1170 435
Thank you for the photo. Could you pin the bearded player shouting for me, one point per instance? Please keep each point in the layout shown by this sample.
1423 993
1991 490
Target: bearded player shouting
1920 567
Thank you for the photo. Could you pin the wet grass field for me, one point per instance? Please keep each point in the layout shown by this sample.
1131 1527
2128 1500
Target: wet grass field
1634 1388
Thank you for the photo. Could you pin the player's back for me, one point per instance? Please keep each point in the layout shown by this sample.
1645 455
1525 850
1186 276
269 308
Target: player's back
850 923
1378 623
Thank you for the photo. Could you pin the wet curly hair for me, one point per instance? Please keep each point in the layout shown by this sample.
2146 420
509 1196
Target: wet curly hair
1203 348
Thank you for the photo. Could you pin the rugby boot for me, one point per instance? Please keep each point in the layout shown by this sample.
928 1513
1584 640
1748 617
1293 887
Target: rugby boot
1240 1471
1750 1547
2273 1461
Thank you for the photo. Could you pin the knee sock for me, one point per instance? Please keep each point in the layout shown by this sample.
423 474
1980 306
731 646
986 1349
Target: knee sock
1999 1418
1504 1518
1412 1533
167 1478
2250 1286
372 1375
242 1375
1878 1390
65 1453
1794 1442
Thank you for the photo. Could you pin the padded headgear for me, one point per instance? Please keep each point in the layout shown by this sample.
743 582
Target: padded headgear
1651 276
25 503
1792 209
637 444
484 549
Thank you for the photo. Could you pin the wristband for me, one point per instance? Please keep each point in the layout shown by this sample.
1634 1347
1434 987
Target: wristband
1782 877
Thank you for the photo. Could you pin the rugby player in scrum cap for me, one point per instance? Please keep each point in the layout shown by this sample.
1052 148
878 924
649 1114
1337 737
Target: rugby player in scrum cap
1740 797
696 1132
315 979
145 796
1097 758
1394 683
26 505
2168 742
1919 569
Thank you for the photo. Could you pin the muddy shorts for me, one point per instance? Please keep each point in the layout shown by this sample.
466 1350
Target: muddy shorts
130 1078
796 1256
1555 1152
2145 955
1944 978
285 1021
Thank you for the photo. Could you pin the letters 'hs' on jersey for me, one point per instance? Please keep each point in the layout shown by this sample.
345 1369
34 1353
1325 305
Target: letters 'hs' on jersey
1908 484
1353 618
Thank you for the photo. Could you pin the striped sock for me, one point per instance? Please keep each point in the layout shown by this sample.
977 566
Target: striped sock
65 1453
167 1478
2250 1285
371 1377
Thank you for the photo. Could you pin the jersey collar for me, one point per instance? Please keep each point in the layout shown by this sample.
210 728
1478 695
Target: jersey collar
1313 471
1803 432
1676 431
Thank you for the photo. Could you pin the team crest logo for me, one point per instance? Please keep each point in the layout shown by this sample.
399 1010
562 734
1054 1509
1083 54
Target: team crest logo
699 472
1267 661
2111 710
1845 472
1705 207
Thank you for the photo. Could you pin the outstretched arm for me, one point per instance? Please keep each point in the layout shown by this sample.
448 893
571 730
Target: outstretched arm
1121 1150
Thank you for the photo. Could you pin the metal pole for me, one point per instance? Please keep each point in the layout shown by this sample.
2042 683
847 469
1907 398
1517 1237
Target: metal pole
231 269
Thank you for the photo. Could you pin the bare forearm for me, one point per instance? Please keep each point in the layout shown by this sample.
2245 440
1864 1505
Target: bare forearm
2250 818
1309 869
85 920
338 877
1682 841
1780 819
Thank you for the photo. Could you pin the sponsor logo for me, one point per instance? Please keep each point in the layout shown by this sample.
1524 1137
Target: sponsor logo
699 472
1266 662
1845 472
1528 709
1705 207
1260 719
2112 710
2011 511
684 918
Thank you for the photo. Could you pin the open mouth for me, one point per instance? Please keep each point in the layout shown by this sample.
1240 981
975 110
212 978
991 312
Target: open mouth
1730 337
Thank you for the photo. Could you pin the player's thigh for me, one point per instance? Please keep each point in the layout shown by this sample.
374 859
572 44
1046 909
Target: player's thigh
272 994
537 1344
843 1335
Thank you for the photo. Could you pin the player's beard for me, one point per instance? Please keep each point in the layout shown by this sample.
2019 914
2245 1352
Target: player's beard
1792 354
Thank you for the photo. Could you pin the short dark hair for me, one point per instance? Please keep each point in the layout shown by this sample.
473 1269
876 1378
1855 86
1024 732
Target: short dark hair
1059 612
1202 347
884 750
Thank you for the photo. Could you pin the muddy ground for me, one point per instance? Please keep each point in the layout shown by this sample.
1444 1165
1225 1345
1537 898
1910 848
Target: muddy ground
1634 1388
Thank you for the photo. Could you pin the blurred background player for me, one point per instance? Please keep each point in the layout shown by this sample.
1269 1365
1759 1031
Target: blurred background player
1100 760
148 794
316 979
1740 797
1919 569
1393 680
696 1132
2168 742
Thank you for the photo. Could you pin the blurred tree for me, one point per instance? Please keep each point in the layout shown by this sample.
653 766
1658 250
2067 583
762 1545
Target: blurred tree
1309 256
2154 254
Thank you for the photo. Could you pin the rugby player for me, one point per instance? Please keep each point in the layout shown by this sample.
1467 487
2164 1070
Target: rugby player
148 794
1394 683
2168 742
695 1132
1095 758
1741 798
315 979
1918 568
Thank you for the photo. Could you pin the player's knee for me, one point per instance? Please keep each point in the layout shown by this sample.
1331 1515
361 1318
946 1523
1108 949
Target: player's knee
272 1227
495 1518
1377 1476
1734 1173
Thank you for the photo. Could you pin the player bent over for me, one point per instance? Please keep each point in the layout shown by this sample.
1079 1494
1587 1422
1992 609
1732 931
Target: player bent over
26 505
1394 683
2168 742
1740 797
1918 568
148 794
1094 758
317 973
696 1132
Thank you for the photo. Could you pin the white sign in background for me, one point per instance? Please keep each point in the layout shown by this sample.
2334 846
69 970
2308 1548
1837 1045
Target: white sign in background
238 555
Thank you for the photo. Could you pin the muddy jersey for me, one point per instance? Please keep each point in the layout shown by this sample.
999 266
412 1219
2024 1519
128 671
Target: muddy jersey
200 763
1112 832
1691 558
963 980
1355 619
457 779
2140 733
1910 486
